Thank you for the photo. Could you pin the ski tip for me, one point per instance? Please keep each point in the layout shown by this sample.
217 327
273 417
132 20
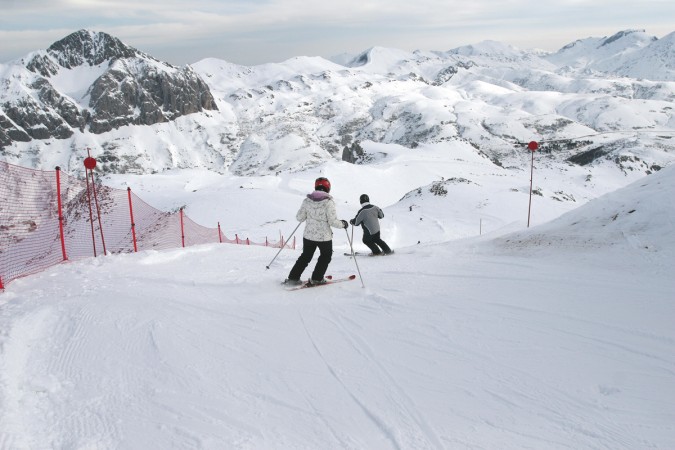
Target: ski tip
351 277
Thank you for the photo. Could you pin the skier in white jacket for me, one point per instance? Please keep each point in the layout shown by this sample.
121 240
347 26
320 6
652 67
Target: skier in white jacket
318 211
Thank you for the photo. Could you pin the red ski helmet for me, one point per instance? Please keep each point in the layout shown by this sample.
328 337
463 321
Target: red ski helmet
322 184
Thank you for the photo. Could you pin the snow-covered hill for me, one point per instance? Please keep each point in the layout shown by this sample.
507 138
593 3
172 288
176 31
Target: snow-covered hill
638 217
629 53
467 110
559 336
139 115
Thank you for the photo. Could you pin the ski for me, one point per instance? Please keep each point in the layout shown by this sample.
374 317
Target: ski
329 278
369 254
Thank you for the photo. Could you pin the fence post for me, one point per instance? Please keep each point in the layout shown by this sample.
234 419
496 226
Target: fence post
91 217
1 285
60 212
98 210
182 229
220 235
236 238
248 242
133 225
89 165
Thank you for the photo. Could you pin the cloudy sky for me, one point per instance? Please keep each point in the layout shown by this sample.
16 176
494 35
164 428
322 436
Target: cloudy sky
251 32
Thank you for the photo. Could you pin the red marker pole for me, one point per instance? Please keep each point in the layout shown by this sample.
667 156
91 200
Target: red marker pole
60 206
133 225
532 146
89 164
182 229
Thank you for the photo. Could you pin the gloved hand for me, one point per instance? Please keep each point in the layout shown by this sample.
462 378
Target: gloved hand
352 221
344 224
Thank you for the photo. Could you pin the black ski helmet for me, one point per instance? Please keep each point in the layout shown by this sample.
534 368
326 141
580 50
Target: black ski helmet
364 199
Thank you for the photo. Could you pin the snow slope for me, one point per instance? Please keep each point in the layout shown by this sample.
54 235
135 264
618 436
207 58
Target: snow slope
555 337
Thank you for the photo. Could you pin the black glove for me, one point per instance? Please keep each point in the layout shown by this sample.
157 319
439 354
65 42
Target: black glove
352 221
344 224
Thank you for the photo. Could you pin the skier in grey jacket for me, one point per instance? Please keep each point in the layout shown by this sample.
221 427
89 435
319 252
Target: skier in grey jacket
369 218
318 211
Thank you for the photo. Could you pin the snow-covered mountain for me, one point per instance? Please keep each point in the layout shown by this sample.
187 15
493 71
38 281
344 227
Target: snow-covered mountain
90 83
630 53
140 115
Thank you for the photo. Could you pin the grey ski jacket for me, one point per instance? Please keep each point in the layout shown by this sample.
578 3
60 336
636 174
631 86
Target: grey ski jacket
368 217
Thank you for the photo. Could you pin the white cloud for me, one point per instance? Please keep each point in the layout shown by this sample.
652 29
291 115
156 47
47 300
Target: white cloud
289 28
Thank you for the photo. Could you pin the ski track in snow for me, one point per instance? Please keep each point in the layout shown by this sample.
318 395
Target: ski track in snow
82 385
399 397
370 415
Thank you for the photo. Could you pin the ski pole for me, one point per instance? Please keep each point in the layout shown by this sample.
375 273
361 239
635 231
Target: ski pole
354 256
351 246
282 246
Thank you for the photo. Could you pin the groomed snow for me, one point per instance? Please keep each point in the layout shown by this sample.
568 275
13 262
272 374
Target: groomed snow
559 336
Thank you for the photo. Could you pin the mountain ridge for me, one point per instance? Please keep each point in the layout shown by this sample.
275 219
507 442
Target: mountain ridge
225 117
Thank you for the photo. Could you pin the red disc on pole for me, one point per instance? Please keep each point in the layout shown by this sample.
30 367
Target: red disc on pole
89 163
533 145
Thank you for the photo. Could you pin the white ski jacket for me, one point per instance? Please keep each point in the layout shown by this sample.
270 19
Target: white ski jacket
318 210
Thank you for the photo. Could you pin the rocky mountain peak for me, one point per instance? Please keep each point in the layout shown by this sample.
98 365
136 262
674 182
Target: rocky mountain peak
622 34
129 88
89 47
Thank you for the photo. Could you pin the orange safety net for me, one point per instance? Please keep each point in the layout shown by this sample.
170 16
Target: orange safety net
95 220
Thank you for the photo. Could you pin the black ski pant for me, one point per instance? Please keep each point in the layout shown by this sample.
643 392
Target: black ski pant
375 243
308 249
